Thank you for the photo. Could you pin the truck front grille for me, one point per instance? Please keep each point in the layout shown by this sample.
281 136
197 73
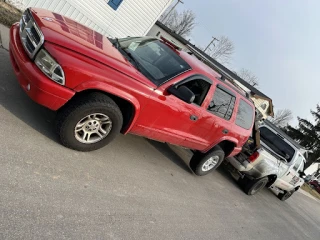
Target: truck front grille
30 34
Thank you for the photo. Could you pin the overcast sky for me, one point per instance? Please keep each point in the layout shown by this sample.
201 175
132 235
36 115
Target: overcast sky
277 40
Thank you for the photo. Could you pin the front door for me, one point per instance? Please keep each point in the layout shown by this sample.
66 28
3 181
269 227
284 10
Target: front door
169 119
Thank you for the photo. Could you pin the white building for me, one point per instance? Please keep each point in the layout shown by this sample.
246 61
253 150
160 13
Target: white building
115 18
312 170
158 31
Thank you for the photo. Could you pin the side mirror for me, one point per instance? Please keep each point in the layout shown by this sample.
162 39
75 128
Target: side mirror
183 93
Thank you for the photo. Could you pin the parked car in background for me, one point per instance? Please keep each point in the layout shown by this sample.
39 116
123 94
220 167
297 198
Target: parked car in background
139 85
315 184
278 162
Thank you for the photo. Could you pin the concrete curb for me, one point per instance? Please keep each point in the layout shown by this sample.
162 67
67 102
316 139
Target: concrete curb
4 37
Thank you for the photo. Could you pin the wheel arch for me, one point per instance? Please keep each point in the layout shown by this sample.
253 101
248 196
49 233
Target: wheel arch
227 146
129 105
272 178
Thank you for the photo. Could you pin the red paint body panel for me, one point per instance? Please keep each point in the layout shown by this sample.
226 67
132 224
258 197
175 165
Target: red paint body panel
90 62
74 36
42 90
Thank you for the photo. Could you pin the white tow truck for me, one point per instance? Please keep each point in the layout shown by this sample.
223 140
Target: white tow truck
270 159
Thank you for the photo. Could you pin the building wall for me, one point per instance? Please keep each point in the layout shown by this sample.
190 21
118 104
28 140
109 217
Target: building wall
312 168
258 103
131 18
156 31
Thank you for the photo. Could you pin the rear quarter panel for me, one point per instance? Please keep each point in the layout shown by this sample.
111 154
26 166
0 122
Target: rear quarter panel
266 164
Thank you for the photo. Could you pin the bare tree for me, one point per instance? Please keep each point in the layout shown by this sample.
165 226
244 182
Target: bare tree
180 23
249 77
221 50
281 118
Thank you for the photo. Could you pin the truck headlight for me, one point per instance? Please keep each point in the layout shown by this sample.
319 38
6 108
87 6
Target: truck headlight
50 67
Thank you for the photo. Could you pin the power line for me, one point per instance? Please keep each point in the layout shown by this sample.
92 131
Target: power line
211 42
179 1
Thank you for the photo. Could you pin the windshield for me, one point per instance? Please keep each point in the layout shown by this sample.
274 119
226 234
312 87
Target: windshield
276 143
154 59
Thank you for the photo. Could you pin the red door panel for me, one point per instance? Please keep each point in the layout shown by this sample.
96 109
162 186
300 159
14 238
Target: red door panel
164 118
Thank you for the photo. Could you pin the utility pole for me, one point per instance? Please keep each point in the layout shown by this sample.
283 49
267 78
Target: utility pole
213 39
179 1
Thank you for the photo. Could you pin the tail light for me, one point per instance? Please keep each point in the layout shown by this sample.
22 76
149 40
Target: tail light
254 157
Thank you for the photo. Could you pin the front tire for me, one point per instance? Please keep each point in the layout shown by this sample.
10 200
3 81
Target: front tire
202 164
285 195
89 123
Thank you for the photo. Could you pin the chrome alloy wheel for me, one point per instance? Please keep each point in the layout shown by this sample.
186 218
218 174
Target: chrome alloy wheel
210 163
93 128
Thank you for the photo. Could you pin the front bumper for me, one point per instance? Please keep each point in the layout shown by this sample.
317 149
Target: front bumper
38 87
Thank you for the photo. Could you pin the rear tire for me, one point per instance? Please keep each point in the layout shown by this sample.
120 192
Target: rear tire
251 187
204 163
89 123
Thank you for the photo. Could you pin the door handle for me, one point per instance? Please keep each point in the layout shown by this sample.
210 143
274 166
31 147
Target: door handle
225 131
193 117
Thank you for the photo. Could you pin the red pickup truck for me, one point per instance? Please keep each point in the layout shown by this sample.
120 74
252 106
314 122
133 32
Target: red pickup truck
139 85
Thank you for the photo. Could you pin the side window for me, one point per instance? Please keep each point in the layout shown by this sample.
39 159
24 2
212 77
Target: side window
298 162
114 4
244 115
200 89
222 103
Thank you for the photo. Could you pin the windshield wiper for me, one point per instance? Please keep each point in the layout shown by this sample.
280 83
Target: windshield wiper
117 45
115 42
132 59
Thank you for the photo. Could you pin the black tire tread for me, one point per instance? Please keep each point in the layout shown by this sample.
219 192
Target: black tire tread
91 100
198 157
281 195
247 184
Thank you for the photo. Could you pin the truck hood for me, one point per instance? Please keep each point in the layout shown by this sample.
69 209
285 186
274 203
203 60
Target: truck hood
67 33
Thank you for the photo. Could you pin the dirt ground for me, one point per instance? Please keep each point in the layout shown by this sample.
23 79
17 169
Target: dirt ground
308 189
8 14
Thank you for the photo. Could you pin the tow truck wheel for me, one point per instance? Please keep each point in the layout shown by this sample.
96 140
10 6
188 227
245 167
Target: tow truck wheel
285 195
251 187
204 163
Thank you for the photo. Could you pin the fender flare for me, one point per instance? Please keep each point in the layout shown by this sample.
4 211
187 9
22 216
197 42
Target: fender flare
225 138
107 88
